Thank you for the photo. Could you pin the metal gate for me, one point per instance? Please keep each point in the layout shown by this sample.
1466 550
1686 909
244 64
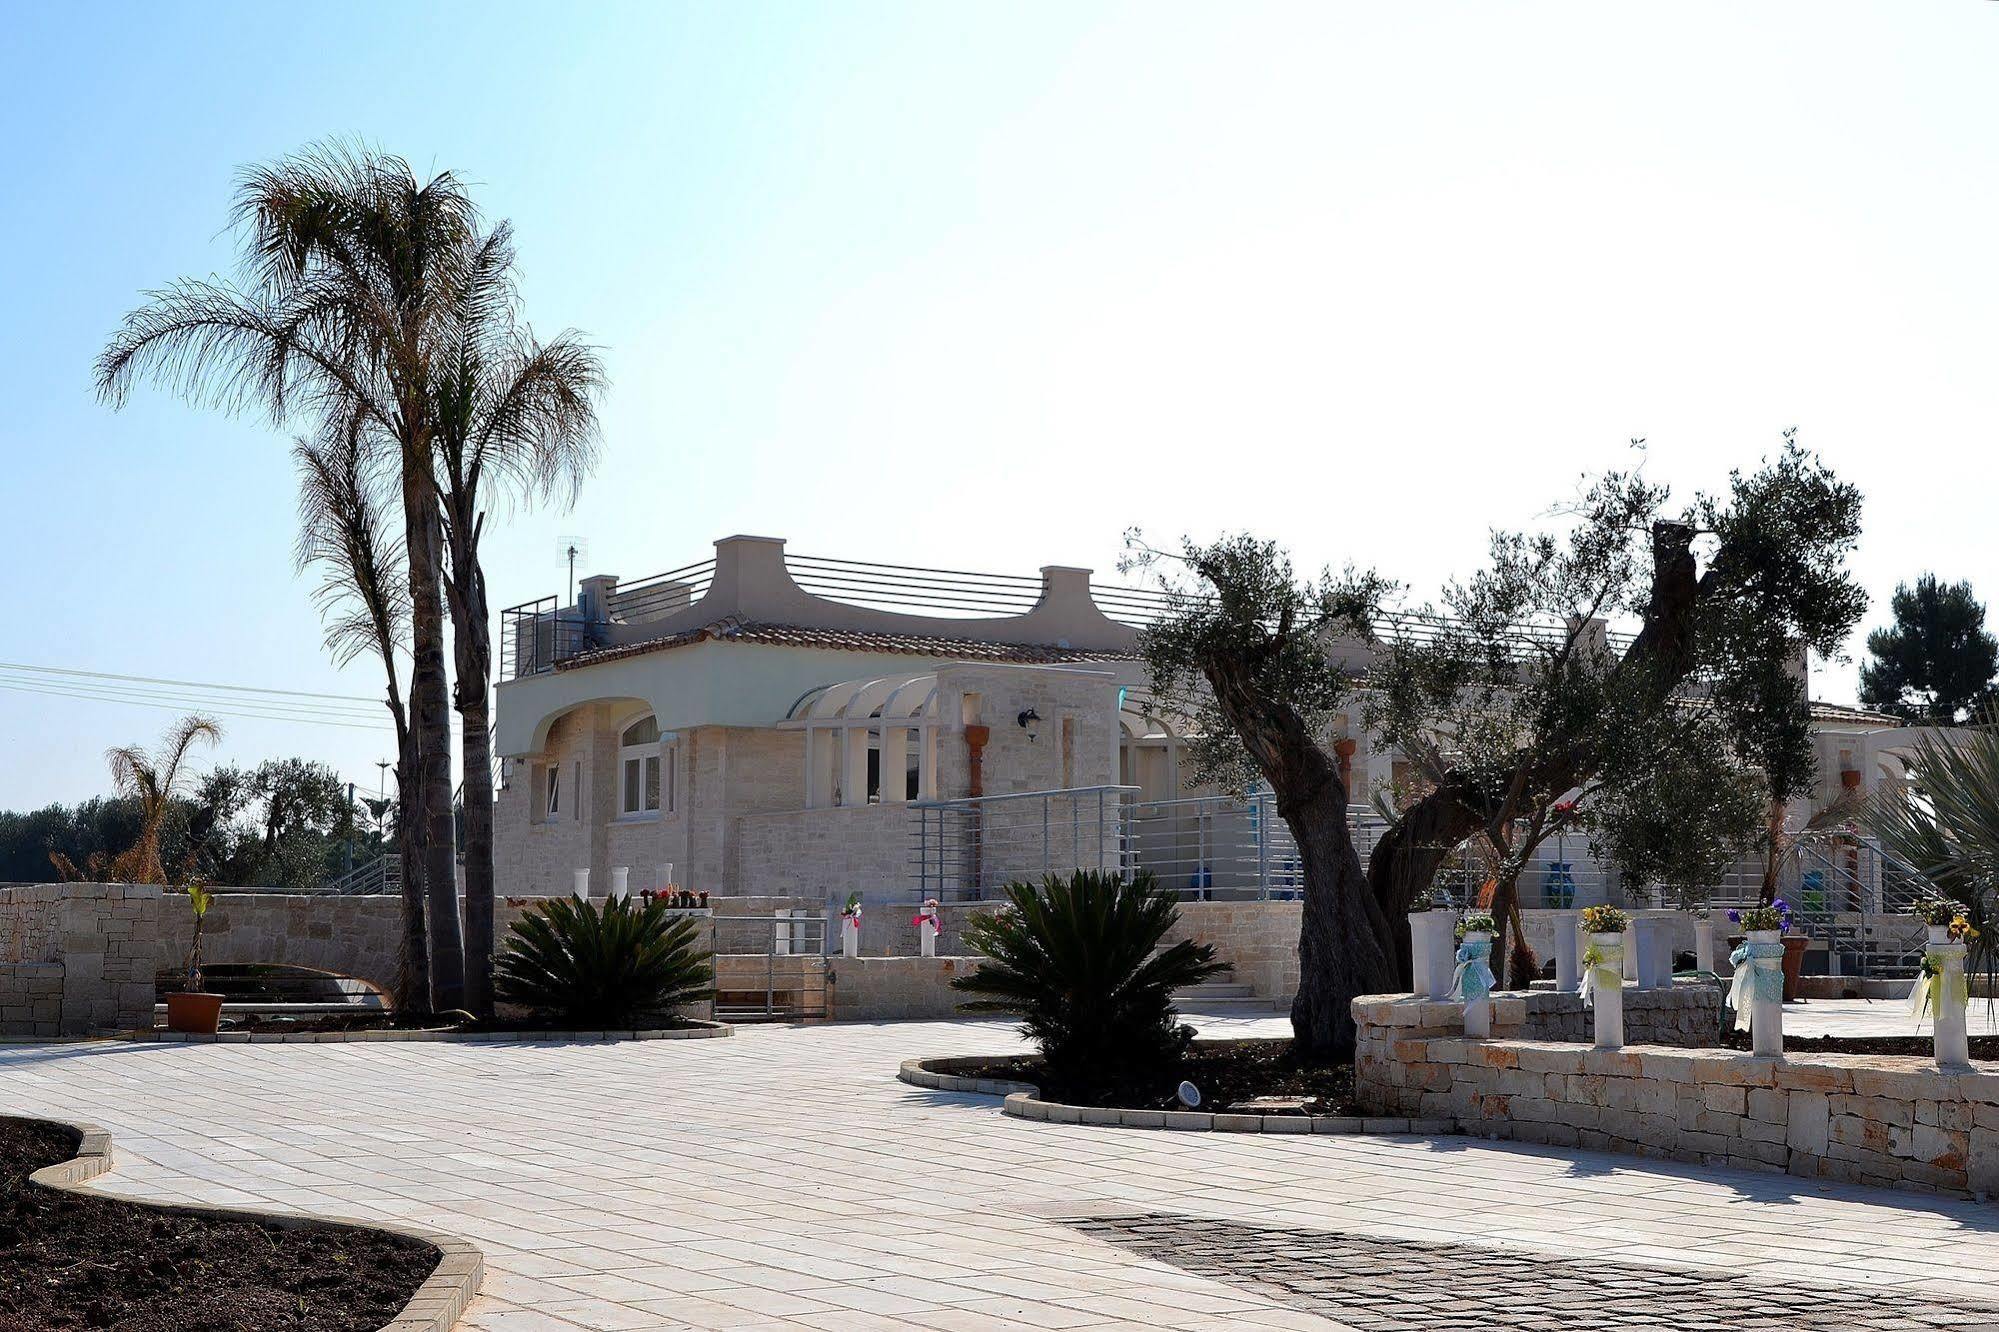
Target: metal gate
770 968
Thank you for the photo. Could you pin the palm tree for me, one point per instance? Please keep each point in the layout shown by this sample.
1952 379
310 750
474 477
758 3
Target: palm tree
152 778
517 417
363 597
353 274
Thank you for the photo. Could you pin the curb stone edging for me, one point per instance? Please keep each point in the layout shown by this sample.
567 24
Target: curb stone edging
437 1304
706 1031
1022 1101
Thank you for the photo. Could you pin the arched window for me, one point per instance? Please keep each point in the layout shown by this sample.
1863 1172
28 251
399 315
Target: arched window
645 784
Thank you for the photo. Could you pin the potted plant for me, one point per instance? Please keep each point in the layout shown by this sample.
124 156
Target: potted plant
1944 920
194 1010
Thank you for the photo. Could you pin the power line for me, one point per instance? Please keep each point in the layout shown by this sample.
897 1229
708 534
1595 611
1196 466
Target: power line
242 711
143 693
185 684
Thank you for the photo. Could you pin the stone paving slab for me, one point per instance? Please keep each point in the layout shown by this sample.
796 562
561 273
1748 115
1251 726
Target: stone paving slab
785 1179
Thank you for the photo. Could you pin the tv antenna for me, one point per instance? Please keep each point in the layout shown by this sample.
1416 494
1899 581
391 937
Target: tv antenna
572 549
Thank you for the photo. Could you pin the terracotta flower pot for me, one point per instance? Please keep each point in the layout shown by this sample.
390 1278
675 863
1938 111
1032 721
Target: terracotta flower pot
195 1014
1794 961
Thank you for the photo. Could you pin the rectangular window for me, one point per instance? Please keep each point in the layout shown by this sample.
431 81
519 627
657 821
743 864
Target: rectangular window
552 797
651 795
576 789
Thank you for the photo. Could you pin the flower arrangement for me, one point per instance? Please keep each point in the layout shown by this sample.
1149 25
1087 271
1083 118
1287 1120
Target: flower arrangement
929 915
1776 916
1432 898
852 910
1938 911
1480 923
1604 920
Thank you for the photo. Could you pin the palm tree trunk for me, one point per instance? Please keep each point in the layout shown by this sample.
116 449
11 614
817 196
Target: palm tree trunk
430 719
473 645
413 973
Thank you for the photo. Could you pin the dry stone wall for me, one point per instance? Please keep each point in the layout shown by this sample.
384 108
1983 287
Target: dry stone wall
1882 1120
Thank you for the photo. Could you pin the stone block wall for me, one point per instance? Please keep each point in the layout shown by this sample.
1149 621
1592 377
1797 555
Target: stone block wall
31 998
1259 939
79 958
894 989
1865 1119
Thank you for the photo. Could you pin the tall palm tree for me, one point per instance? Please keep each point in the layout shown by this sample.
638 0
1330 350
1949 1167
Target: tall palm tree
363 597
353 271
515 418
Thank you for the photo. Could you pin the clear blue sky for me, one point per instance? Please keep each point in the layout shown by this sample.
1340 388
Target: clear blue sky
981 286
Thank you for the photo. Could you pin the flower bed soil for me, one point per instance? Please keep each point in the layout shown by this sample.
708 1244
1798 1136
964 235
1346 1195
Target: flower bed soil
75 1261
1230 1075
1982 1047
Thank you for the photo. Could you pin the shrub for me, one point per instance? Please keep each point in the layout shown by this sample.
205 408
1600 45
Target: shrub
571 961
1079 960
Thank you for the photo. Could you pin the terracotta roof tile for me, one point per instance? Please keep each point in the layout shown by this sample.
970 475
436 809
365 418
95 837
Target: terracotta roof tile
734 630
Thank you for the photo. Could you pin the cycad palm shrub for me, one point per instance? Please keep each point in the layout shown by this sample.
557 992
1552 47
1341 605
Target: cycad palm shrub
1078 958
611 966
1945 829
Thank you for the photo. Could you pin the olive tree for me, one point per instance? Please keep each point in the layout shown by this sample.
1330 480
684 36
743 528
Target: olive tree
1242 652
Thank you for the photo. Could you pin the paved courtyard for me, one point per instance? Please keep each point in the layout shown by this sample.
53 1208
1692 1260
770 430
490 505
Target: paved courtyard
784 1179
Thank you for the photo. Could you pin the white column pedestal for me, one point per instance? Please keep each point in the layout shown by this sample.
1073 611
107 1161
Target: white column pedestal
1568 966
1704 943
1953 1041
581 886
1766 1016
621 879
1478 1019
926 939
1607 1000
1432 952
1652 940
850 937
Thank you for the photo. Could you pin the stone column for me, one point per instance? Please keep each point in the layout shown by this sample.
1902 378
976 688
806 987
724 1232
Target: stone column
582 885
1704 942
621 879
1480 1009
1568 974
1432 952
1766 1015
1953 1042
1607 990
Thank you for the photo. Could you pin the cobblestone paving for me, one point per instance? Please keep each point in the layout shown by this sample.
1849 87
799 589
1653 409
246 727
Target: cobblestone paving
1393 1285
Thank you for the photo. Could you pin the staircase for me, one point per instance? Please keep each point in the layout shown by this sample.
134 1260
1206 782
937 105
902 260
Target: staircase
1221 998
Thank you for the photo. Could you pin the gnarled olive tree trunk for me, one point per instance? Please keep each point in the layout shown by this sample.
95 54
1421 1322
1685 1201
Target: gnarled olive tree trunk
1344 941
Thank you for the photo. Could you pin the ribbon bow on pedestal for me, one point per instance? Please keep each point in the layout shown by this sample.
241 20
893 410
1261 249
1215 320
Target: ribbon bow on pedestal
1759 974
1603 965
1937 985
1473 979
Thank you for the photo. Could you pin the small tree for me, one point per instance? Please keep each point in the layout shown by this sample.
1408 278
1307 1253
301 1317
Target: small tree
1935 664
1243 650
